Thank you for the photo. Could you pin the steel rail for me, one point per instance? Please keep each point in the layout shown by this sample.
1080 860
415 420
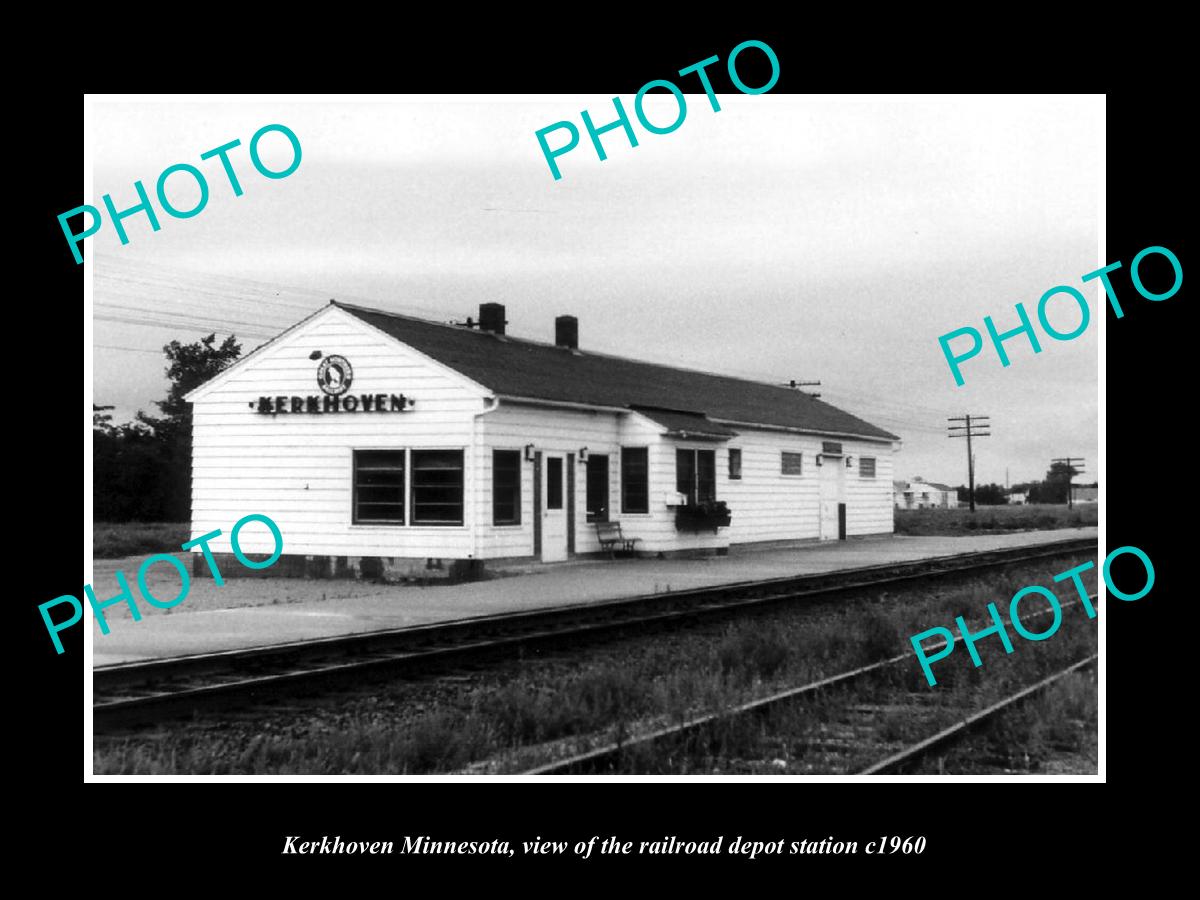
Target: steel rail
128 692
610 754
960 729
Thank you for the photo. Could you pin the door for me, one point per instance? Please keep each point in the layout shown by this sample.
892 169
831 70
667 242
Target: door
554 514
832 479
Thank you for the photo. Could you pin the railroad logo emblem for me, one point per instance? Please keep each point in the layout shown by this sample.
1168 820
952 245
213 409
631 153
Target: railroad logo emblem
334 375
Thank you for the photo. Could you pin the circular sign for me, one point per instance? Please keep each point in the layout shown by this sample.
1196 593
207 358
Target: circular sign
334 375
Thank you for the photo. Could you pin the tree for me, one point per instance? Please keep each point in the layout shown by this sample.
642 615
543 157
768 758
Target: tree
990 494
142 469
191 365
1055 486
128 470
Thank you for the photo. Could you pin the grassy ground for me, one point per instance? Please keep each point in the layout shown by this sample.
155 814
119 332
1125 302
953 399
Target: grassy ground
1054 733
994 519
895 709
112 540
518 714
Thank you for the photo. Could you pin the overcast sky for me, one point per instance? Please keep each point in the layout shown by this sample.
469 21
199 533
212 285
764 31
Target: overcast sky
783 237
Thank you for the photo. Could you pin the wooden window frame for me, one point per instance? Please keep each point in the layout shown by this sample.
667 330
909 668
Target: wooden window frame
354 486
735 472
516 519
625 510
412 488
783 455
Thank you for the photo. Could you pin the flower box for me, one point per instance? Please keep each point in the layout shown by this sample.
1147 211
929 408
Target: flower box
702 517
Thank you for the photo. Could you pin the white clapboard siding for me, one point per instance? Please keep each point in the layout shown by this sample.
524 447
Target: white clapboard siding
869 506
551 430
297 468
767 505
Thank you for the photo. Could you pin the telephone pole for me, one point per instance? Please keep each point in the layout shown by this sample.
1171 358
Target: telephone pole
1068 461
796 385
976 426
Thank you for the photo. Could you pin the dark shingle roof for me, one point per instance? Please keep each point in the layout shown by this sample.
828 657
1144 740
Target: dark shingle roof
686 424
520 368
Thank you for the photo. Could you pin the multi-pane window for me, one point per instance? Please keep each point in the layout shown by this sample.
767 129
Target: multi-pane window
735 463
437 487
866 466
379 486
635 480
793 463
696 475
506 487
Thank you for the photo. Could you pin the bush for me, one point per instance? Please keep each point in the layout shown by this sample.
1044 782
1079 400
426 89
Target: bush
750 653
111 540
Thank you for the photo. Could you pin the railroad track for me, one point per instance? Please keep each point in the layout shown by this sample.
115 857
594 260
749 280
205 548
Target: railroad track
838 742
128 694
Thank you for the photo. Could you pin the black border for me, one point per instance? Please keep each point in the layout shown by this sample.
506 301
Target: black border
209 834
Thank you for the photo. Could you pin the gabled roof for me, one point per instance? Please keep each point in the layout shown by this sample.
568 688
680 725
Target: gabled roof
514 367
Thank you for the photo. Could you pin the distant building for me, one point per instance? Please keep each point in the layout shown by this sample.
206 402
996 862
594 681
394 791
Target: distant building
1085 493
921 494
1018 498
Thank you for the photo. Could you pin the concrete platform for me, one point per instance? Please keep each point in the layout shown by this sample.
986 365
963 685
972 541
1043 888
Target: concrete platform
253 612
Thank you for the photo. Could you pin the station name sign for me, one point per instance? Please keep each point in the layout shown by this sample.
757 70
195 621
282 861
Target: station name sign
334 377
346 403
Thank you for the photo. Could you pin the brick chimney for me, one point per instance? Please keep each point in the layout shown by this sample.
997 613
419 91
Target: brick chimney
566 332
491 317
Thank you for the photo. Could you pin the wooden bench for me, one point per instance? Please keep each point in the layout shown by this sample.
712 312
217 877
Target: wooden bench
611 539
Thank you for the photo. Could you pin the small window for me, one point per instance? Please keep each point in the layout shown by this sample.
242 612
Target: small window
635 480
379 487
506 487
735 463
437 487
554 482
832 447
866 467
793 463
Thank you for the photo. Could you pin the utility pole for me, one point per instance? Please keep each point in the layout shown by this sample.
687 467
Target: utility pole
1071 473
794 385
976 426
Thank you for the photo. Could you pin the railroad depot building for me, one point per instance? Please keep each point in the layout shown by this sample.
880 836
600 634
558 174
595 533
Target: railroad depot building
383 444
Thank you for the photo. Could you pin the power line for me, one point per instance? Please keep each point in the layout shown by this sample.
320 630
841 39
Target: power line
238 284
130 349
905 406
175 326
181 317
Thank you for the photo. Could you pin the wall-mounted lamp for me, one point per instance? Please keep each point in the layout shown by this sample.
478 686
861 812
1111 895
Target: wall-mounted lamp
849 462
529 452
820 460
316 354
583 454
